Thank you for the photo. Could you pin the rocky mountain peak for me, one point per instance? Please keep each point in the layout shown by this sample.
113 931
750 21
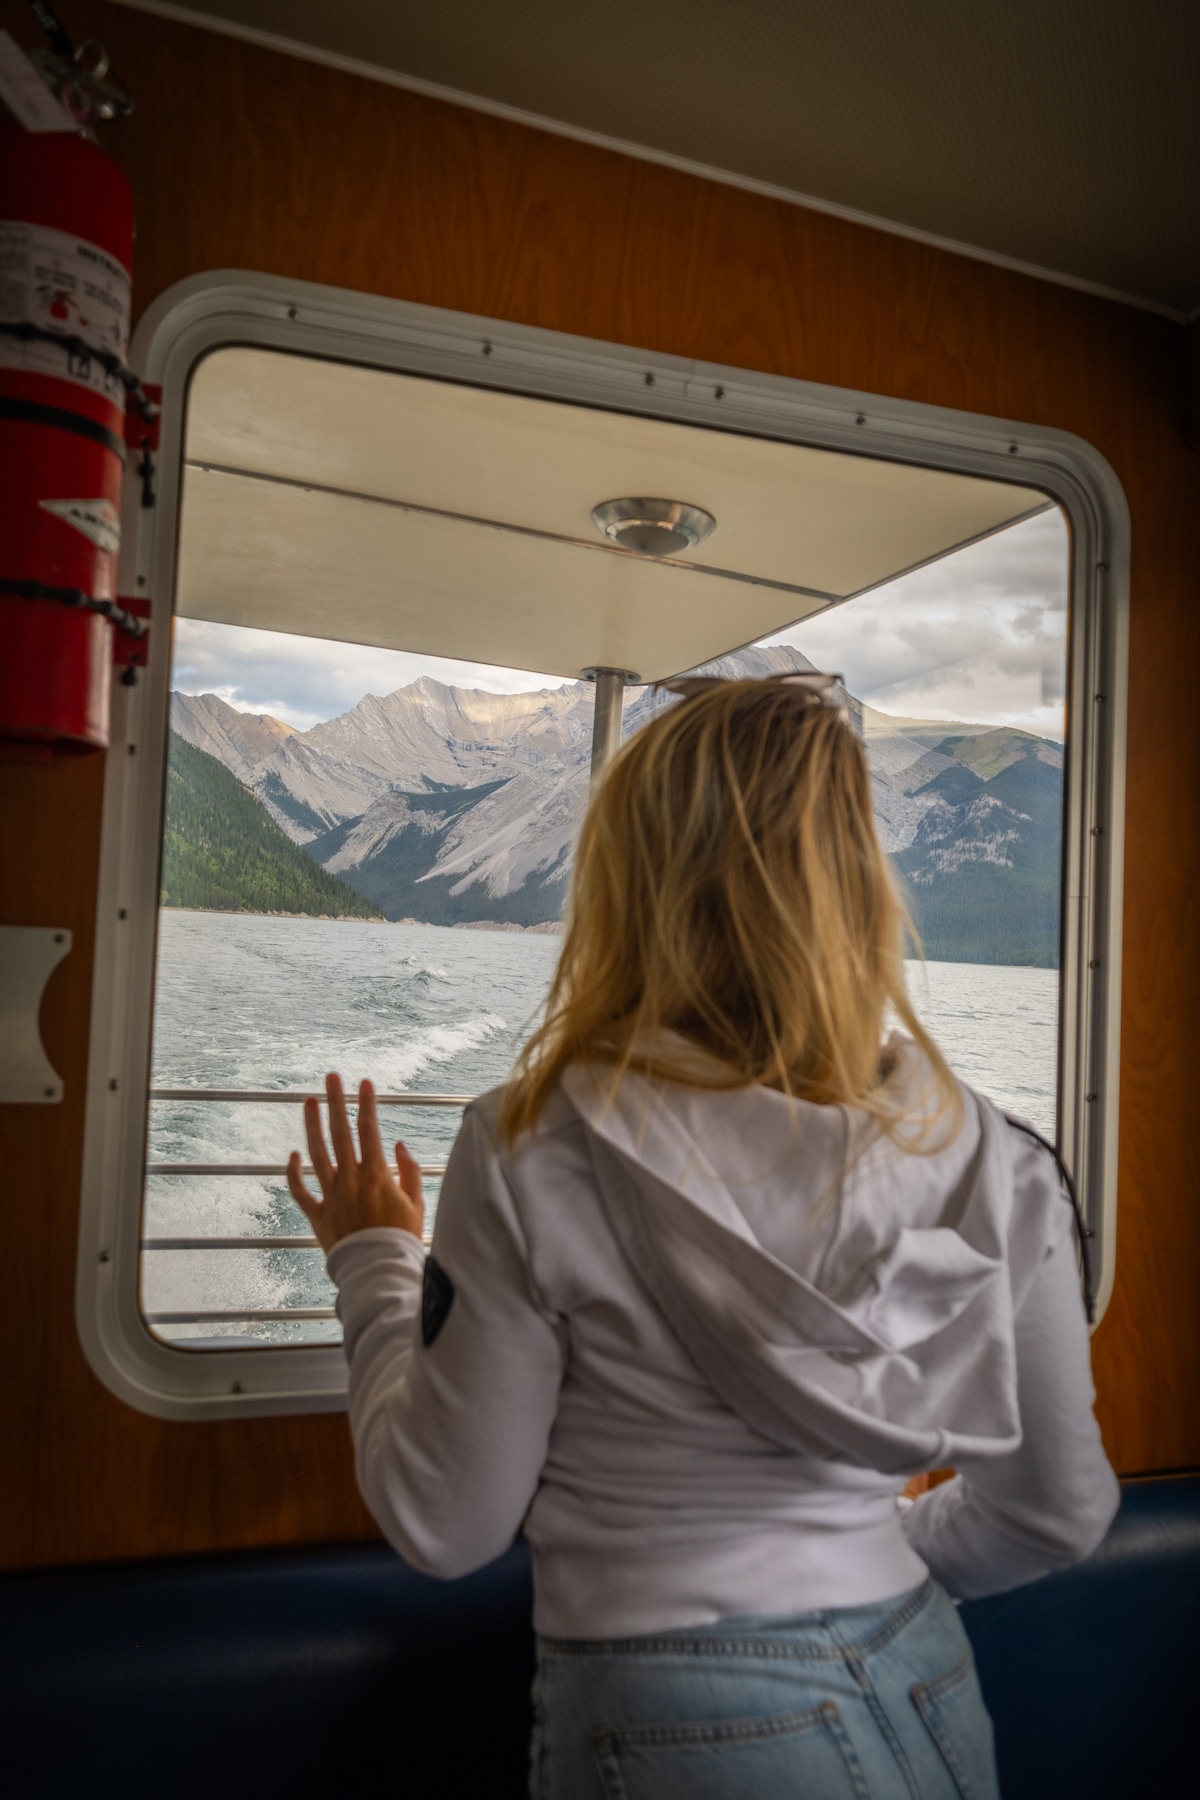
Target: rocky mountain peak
240 740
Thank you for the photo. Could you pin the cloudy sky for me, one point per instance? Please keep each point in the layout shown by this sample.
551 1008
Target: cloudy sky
979 636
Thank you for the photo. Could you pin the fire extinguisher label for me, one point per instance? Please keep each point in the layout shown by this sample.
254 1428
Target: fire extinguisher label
66 285
97 519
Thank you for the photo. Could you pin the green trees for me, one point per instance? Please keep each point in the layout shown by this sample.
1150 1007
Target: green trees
223 852
984 870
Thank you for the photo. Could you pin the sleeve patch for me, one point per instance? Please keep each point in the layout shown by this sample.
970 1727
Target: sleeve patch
437 1297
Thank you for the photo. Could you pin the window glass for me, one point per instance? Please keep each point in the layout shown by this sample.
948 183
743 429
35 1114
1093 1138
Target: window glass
366 855
366 850
307 926
961 670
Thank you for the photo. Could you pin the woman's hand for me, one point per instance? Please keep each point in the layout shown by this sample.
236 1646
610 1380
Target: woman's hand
354 1194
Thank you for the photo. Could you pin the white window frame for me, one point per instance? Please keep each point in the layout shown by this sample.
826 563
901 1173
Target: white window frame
237 307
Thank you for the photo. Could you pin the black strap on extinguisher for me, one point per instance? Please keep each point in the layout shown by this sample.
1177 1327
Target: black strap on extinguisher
59 418
108 360
75 597
33 412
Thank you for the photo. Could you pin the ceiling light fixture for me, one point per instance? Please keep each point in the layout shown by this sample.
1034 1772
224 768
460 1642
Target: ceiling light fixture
653 527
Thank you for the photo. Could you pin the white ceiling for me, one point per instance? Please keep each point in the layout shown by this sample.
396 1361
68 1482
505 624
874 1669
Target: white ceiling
317 497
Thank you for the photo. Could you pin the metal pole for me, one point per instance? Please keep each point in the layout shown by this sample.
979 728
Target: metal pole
606 724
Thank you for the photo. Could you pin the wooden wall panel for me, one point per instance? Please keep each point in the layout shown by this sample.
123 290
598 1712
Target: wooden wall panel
242 158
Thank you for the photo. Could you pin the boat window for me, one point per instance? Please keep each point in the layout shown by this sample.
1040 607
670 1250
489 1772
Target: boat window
334 895
961 670
403 600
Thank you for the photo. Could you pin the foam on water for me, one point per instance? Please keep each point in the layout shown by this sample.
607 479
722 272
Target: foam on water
255 1002
249 1001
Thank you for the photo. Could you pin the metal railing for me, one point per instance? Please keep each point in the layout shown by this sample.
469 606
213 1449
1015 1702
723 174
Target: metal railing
258 1097
297 1096
255 1313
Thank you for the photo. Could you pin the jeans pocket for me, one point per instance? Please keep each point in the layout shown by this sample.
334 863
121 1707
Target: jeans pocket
961 1727
768 1758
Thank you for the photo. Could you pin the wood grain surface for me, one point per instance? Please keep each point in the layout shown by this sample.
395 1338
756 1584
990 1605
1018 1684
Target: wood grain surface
243 158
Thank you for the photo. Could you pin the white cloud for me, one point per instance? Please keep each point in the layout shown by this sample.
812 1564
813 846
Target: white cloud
979 636
304 680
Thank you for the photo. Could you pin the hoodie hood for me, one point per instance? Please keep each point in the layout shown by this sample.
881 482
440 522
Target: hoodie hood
846 1296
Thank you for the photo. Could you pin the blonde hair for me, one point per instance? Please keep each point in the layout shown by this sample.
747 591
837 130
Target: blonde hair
730 889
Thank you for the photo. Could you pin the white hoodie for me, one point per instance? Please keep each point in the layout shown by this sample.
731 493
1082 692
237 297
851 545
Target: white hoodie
699 1341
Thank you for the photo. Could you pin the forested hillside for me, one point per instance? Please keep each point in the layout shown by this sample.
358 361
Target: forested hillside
982 869
222 851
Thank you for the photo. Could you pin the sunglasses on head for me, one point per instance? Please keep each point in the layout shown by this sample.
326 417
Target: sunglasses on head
826 690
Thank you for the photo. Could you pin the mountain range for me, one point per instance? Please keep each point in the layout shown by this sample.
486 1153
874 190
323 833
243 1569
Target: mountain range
456 806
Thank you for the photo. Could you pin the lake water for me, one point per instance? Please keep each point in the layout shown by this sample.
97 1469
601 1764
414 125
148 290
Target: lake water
246 1001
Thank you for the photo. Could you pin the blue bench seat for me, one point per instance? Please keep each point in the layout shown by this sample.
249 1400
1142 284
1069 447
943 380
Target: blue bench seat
330 1672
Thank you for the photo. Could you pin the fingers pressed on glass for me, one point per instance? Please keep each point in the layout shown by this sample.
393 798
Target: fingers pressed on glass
339 1122
322 1167
410 1173
307 1202
370 1144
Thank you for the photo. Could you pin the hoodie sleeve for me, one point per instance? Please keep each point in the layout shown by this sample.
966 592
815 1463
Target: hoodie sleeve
450 1436
999 1524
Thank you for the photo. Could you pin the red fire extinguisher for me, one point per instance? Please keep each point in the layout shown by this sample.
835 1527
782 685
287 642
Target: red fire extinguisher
66 241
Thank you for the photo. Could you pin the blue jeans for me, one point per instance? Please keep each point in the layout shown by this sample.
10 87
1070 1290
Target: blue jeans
858 1703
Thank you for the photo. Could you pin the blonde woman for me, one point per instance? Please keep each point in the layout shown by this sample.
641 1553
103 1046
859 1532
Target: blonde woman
713 1277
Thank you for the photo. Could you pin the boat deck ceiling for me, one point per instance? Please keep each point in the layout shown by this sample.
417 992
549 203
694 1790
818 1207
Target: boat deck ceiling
360 505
